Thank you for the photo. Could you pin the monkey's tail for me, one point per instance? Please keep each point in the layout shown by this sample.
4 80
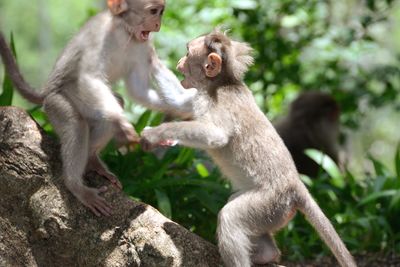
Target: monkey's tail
15 74
323 226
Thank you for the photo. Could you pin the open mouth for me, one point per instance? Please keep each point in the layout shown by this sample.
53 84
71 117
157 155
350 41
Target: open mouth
144 35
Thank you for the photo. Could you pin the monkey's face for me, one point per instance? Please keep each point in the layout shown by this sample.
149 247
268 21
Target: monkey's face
197 65
191 64
141 16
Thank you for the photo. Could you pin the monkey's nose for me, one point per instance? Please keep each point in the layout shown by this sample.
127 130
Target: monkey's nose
157 27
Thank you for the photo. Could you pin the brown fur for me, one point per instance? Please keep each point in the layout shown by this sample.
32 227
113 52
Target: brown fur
312 122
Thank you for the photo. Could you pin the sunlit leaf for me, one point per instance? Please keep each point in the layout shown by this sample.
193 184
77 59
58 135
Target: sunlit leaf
184 156
143 121
377 195
307 180
243 4
397 161
328 165
158 118
202 170
164 204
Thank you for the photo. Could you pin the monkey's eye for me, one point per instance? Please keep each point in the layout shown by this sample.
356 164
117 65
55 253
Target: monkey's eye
162 12
153 11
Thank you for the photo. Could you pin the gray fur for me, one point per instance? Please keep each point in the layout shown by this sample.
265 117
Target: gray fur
228 124
78 98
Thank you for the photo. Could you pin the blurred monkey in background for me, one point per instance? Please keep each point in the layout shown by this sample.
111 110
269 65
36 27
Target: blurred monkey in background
312 122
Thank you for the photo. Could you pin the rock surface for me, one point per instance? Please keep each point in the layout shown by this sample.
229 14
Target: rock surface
42 224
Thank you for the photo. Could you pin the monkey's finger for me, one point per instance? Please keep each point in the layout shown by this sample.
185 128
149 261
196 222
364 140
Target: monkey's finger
103 189
93 209
114 180
103 209
102 201
103 206
117 183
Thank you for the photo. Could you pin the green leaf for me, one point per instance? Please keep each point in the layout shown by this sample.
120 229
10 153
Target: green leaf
380 169
395 200
377 195
158 118
307 180
397 161
202 170
143 121
163 203
185 155
328 165
8 88
244 4
379 182
208 201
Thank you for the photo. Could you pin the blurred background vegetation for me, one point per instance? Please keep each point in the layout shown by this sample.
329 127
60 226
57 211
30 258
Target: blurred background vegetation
348 48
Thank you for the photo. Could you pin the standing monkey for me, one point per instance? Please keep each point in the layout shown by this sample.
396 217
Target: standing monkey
77 96
312 122
228 124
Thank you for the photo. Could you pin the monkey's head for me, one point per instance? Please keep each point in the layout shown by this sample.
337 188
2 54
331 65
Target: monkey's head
140 16
214 60
315 106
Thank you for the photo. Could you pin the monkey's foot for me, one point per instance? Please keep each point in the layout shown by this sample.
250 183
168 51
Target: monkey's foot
265 250
126 134
265 257
98 167
97 204
109 176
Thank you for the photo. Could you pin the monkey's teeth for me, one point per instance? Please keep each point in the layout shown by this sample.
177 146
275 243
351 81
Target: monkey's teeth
145 35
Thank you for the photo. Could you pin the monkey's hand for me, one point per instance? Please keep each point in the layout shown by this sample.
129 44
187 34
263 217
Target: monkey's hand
126 134
153 137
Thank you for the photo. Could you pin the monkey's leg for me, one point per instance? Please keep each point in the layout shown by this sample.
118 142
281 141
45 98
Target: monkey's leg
248 215
94 100
264 249
100 134
73 131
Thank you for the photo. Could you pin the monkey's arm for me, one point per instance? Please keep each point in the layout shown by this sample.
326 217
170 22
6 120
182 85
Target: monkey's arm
171 90
170 97
94 101
188 133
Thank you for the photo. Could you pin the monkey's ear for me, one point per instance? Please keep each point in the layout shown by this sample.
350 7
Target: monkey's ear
213 65
117 6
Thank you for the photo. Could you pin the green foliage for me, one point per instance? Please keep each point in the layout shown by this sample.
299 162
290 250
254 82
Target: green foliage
297 47
364 212
328 165
8 90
